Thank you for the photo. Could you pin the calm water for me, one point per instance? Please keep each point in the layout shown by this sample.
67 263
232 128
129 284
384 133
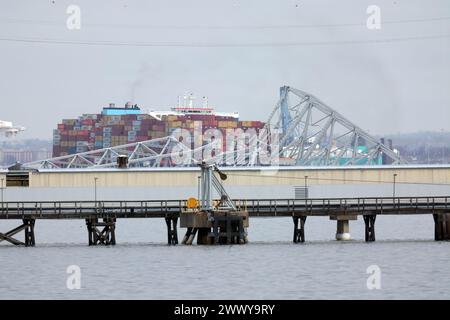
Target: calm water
142 266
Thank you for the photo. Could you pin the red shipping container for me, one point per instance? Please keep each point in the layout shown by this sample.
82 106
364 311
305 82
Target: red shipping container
145 126
157 127
129 117
155 121
210 123
117 130
87 122
83 133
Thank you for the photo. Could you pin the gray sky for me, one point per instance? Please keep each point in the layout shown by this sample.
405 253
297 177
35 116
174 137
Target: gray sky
384 87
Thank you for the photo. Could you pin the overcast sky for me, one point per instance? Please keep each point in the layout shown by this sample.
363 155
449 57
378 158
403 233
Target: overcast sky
236 52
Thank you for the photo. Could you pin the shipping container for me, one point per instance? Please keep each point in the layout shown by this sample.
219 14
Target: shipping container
95 131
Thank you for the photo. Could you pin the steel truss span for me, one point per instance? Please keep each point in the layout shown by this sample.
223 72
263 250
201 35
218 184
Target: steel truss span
150 153
313 133
307 131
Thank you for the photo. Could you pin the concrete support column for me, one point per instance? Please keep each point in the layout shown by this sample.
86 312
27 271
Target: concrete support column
343 230
343 226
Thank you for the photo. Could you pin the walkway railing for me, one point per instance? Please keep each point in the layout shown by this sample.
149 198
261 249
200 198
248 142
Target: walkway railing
255 207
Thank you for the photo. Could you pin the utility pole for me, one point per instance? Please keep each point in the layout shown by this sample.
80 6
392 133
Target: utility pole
306 187
95 191
393 186
2 191
198 187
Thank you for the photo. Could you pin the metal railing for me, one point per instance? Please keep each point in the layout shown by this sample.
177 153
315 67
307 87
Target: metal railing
351 205
83 208
255 207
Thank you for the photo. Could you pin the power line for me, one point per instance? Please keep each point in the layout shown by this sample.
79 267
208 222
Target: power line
223 27
219 45
335 179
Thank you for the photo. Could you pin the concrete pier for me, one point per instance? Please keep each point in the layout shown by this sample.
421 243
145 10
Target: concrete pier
343 226
343 230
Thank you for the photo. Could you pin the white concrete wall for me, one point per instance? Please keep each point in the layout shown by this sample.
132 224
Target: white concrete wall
235 191
181 183
180 177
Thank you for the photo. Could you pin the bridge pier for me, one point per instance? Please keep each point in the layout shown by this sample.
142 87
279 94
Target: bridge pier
369 221
28 227
105 236
299 233
343 226
441 226
172 235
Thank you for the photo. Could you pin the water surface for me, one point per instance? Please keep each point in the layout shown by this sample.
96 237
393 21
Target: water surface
143 266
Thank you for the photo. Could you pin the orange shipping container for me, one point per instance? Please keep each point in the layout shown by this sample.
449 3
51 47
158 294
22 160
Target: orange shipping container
232 124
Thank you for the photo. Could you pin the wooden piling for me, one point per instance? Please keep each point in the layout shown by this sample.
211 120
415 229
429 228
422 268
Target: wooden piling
299 232
369 221
29 232
28 228
186 236
172 235
192 236
441 226
105 236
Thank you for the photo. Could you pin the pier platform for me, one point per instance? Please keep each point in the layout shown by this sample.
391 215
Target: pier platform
104 214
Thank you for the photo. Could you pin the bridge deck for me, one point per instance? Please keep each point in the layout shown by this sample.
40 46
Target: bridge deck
256 208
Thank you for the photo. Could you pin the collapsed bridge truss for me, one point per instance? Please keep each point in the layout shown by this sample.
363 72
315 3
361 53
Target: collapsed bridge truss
315 134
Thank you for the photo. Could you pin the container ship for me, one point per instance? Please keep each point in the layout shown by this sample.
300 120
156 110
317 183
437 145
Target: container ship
123 125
